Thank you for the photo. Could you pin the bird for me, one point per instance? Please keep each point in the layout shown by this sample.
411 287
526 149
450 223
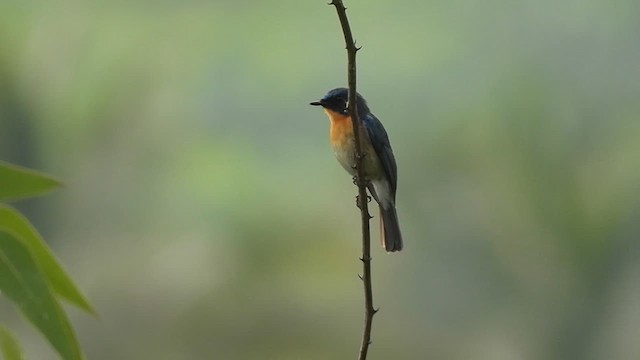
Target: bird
379 164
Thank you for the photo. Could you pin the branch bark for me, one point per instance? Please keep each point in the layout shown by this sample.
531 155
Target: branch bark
361 182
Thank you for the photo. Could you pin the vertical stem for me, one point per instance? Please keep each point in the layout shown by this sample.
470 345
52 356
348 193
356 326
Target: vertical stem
360 180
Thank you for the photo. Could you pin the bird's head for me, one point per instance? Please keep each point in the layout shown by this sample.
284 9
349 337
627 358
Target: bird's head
337 100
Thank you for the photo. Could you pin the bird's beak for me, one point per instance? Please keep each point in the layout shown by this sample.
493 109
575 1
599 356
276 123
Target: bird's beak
316 103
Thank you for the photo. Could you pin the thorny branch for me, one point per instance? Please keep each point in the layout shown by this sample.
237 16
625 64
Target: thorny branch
360 180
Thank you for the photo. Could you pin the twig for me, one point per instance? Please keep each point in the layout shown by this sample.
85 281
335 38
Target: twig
360 180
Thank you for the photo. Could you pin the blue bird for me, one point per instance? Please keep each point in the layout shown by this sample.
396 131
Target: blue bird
379 164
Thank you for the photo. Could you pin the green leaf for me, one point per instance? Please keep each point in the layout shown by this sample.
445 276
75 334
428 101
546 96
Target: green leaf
17 182
9 345
22 281
13 222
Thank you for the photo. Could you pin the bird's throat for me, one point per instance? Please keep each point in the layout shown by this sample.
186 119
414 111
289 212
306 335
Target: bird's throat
341 127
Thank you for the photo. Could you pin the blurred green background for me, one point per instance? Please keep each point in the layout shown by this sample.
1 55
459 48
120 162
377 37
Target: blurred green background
205 217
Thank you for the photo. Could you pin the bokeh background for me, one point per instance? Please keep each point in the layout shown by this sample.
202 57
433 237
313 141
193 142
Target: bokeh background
205 217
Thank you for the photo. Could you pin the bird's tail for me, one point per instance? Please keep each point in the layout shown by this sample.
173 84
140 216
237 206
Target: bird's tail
390 229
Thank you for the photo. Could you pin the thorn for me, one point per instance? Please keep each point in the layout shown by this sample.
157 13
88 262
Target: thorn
358 48
375 310
360 277
361 259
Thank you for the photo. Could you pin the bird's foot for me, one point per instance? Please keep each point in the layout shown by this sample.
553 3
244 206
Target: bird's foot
358 204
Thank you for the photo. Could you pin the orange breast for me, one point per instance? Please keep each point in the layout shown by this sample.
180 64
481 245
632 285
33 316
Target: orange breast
341 128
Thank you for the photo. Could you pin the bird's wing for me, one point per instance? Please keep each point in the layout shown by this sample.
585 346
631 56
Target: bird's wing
380 141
